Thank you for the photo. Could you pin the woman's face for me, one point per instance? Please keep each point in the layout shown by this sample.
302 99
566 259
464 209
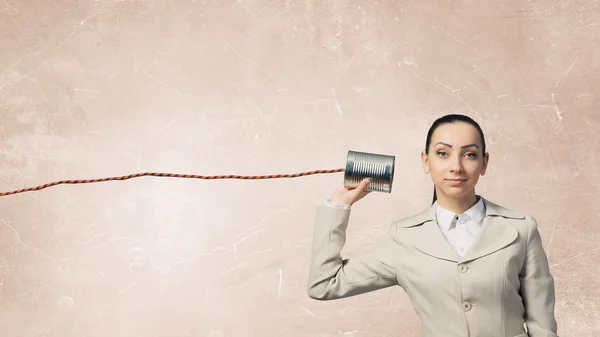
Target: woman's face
455 160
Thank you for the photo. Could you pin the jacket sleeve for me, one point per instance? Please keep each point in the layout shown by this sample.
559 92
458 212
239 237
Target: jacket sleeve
330 276
537 287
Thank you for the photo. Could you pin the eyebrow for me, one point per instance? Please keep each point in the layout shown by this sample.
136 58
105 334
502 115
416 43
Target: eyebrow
462 147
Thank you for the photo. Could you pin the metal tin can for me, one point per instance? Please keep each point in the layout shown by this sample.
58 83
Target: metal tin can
378 167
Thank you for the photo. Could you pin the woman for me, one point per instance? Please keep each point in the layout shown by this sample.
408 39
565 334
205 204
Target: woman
470 267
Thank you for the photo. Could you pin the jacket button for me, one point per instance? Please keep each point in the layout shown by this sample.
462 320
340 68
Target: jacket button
466 306
463 268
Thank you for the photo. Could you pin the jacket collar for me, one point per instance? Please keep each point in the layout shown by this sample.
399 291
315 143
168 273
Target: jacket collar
445 218
422 231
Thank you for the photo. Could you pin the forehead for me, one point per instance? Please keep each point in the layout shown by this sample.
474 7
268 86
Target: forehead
456 134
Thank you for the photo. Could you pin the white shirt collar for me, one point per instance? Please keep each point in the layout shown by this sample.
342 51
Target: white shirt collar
447 219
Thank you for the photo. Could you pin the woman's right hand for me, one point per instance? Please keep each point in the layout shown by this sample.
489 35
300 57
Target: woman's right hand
348 196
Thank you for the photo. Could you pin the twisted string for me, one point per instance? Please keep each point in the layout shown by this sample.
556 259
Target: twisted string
170 175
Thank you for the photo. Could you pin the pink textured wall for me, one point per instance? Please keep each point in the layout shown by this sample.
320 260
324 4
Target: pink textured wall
104 88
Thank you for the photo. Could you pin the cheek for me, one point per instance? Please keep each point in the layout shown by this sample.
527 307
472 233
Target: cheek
472 166
437 171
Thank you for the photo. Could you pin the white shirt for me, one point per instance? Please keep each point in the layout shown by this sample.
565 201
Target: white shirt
461 230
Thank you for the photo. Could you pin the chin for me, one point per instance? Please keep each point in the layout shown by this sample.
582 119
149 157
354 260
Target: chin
457 192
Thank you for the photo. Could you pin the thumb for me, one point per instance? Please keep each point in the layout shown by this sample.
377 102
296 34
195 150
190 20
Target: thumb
361 187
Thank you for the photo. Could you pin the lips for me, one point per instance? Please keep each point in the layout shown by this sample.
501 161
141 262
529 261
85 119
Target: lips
456 182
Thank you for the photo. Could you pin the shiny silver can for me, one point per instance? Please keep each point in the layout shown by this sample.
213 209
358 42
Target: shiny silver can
378 167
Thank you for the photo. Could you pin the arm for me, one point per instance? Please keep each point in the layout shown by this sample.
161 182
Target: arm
330 276
537 287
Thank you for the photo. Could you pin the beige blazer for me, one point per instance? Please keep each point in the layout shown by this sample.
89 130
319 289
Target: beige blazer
502 287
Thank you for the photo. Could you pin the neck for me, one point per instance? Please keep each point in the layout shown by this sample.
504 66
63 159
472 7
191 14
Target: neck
457 205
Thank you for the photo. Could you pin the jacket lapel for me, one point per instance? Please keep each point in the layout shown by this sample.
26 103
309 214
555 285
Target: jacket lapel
496 232
423 232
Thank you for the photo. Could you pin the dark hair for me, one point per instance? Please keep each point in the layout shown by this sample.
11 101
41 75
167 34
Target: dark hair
447 119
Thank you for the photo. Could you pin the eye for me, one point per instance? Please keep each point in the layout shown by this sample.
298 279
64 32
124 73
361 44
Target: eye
473 155
440 153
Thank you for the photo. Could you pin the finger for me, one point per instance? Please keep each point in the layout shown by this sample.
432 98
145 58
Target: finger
363 184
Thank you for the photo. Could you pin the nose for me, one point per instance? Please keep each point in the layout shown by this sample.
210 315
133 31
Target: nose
455 164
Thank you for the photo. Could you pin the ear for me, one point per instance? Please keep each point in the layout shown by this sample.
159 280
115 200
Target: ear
486 159
425 162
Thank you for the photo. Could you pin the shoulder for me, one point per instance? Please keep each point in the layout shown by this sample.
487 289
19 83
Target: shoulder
522 220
